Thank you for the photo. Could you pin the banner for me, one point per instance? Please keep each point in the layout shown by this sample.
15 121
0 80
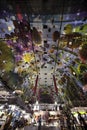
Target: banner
56 89
35 88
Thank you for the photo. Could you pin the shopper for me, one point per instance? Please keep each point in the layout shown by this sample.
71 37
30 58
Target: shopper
6 125
82 122
39 122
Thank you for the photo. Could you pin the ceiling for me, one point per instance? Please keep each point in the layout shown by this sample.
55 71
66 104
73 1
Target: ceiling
46 6
41 59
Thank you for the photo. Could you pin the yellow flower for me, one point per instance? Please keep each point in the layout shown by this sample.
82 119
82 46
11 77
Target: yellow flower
27 57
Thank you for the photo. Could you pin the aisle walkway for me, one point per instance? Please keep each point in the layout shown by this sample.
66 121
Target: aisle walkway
42 128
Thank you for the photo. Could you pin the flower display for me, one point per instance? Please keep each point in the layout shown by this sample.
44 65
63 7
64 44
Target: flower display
55 49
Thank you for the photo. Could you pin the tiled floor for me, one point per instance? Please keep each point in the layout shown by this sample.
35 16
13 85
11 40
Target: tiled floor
42 128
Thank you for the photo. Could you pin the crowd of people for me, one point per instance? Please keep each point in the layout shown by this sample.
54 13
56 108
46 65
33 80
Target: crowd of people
11 123
66 120
71 122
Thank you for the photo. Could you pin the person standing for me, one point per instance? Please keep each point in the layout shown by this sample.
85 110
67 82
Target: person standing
82 122
39 122
6 125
